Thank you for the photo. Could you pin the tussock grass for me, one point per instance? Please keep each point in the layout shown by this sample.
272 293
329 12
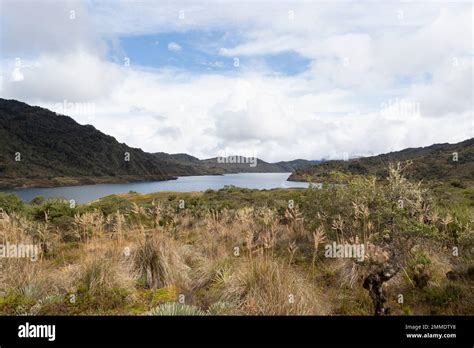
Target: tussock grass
266 286
237 251
159 262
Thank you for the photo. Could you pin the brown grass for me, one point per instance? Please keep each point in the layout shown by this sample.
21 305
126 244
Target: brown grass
250 260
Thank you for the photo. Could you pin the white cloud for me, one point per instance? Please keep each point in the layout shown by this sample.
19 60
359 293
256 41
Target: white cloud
58 27
76 76
174 47
17 75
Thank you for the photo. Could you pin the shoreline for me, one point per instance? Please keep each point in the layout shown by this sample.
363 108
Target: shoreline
27 183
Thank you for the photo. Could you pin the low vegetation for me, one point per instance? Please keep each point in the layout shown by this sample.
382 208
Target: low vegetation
245 252
439 163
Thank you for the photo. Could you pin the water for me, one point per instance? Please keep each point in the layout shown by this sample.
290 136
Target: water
87 193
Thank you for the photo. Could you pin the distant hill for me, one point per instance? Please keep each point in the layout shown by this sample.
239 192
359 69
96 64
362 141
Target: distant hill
41 148
235 164
178 157
433 162
241 164
291 166
52 146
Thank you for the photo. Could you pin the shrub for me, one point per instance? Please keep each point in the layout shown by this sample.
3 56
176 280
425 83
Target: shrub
38 200
52 209
10 203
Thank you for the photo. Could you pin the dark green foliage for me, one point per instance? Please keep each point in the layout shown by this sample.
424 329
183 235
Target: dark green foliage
52 145
111 204
38 200
214 166
9 202
52 208
433 162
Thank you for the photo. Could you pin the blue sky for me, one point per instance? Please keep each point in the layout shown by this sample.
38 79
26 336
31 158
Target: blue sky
198 52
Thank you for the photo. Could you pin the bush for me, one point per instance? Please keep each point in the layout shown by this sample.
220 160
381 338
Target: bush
10 202
111 204
38 200
53 209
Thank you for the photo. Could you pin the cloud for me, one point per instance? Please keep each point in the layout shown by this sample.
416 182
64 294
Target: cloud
17 75
171 132
449 93
367 63
75 76
58 27
174 47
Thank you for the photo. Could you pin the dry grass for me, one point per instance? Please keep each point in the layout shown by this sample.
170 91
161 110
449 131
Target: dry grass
249 260
159 262
266 286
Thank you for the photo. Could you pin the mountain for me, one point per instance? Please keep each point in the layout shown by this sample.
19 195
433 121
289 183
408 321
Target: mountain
178 157
435 162
291 166
237 164
42 148
255 165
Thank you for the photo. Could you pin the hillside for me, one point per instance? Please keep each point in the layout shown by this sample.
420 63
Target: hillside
51 146
42 148
178 157
431 163
290 166
226 165
261 166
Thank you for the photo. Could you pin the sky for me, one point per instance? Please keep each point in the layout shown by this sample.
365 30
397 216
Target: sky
273 79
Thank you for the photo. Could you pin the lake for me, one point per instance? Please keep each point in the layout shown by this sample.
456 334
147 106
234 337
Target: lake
87 193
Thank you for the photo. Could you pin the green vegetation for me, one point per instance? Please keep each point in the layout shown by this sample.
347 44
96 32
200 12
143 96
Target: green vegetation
240 251
40 147
440 163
